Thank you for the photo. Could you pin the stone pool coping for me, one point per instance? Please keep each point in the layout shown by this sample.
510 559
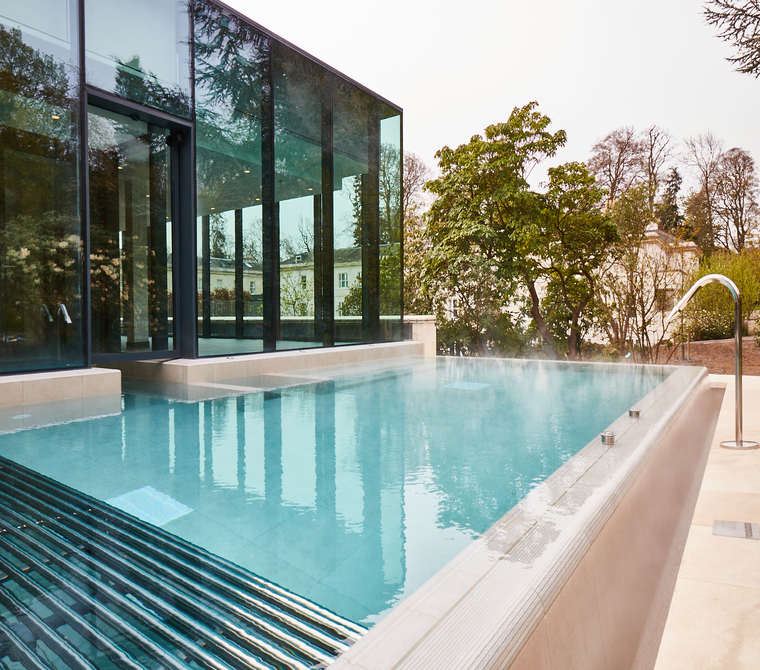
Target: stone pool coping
481 608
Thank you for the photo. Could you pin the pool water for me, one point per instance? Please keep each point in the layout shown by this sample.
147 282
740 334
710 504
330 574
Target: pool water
351 491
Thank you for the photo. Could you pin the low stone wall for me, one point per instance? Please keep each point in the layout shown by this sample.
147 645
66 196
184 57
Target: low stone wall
44 387
422 328
225 368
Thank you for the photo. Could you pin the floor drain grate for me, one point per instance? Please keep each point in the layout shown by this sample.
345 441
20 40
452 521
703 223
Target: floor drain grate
743 529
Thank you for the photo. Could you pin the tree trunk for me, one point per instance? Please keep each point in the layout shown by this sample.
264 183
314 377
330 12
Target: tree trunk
535 312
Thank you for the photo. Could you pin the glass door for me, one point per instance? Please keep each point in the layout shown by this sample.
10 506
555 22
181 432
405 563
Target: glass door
130 234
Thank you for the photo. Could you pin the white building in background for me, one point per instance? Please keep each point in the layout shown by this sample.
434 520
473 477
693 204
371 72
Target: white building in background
295 271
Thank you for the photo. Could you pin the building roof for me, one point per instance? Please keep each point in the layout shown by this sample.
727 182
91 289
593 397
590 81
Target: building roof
345 255
655 234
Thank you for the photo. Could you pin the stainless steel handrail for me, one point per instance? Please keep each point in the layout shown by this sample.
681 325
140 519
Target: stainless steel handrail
739 442
64 313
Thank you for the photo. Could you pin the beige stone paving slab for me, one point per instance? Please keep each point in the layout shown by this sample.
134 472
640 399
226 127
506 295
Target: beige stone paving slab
711 626
731 476
726 506
714 617
720 559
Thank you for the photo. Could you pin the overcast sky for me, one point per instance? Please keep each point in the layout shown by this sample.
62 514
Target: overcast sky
593 65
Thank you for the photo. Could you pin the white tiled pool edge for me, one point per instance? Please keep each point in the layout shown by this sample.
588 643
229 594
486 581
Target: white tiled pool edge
35 388
496 604
221 368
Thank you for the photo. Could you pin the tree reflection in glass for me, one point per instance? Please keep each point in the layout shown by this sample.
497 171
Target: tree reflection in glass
231 60
40 233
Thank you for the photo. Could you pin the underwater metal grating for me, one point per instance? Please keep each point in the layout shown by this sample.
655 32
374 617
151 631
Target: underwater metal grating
84 585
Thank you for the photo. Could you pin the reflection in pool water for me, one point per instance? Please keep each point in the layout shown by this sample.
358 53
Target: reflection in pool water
351 492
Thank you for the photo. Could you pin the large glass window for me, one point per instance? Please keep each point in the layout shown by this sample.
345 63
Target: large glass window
299 107
355 177
390 171
351 181
140 51
40 230
231 61
130 234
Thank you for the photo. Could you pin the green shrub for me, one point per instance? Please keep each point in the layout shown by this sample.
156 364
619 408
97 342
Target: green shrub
710 315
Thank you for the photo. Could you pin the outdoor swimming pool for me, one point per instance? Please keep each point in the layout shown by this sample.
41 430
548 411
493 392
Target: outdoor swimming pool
352 490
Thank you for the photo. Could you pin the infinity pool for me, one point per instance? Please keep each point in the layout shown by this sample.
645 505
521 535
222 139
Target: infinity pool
351 490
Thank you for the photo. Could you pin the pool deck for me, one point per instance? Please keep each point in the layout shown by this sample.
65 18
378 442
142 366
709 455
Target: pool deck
714 615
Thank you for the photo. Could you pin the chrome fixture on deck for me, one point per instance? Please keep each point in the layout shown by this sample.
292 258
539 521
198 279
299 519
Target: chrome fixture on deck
738 443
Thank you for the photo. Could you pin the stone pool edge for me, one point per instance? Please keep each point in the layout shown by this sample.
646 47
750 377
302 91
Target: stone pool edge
481 608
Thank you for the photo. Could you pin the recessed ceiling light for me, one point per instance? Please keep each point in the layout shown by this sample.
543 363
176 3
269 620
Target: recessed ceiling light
55 117
247 171
258 198
213 208
310 189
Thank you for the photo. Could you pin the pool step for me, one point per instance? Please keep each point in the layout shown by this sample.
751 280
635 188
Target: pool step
84 585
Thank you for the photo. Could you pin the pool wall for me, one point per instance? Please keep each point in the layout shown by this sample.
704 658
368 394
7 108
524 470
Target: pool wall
580 573
222 368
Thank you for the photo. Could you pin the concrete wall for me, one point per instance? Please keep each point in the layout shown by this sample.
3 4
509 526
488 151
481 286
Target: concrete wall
422 329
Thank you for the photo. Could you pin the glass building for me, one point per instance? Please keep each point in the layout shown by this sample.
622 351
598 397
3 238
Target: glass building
176 181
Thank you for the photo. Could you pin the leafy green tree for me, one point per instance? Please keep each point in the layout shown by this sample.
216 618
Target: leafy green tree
563 247
482 199
390 285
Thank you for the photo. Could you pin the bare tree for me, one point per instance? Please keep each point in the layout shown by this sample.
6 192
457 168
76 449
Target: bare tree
300 242
417 243
738 22
703 154
416 174
616 161
656 152
736 199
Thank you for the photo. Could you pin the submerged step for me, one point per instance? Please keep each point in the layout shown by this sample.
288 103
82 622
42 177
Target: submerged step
85 585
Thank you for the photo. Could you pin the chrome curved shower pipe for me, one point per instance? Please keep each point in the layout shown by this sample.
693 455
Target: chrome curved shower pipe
738 443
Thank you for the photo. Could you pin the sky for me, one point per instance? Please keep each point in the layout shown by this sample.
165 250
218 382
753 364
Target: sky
593 65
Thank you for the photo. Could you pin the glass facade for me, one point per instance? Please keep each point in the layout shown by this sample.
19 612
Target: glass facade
185 183
140 51
130 233
41 253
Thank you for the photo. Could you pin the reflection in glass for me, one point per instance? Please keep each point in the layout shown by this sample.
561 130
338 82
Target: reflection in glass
40 230
298 192
230 62
390 226
352 156
130 234
140 51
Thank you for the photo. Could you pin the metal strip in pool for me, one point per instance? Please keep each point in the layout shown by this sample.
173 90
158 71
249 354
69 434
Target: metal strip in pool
85 585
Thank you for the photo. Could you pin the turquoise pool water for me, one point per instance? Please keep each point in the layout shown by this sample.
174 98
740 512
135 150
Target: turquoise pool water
351 491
